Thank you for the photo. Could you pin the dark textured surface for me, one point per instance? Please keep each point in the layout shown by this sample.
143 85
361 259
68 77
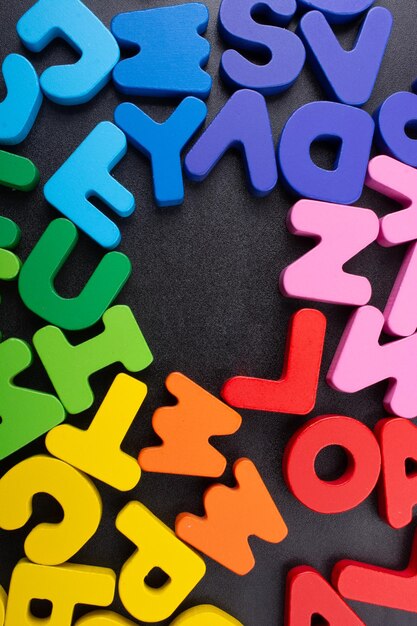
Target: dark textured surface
204 290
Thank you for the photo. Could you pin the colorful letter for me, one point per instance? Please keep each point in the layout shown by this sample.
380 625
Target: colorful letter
398 181
50 544
352 128
71 20
376 585
309 595
17 172
96 450
242 123
185 430
69 367
360 361
347 75
174 69
36 280
341 233
86 173
64 585
240 30
163 143
397 489
20 108
26 414
393 117
295 392
360 477
232 516
157 547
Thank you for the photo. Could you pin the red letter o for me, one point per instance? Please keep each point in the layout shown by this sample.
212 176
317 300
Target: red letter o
360 477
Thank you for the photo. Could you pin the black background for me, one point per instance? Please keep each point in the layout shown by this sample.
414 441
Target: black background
204 290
